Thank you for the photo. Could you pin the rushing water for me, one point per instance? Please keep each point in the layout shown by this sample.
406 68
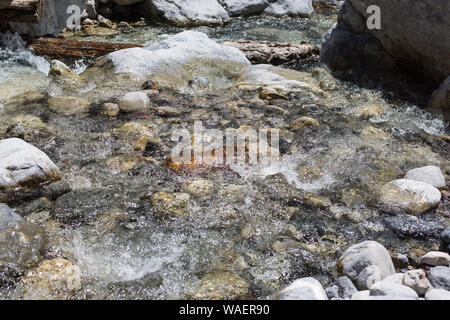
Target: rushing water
269 224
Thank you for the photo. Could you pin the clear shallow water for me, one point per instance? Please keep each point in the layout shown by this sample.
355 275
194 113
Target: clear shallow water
266 231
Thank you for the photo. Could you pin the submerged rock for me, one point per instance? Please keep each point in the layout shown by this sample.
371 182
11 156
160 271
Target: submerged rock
170 204
198 188
360 256
134 102
8 218
429 174
55 279
69 105
22 245
408 196
221 286
303 289
23 166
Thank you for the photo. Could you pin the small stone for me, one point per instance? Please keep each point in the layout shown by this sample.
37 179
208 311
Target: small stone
332 292
346 287
445 235
56 189
170 204
221 286
429 174
303 122
400 260
437 294
416 280
54 279
303 289
134 102
440 277
103 22
198 188
436 258
69 105
267 94
408 196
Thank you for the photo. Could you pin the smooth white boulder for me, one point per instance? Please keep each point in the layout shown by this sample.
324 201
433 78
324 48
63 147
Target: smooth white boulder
408 196
302 8
166 56
429 174
22 164
244 7
188 12
436 258
303 289
437 294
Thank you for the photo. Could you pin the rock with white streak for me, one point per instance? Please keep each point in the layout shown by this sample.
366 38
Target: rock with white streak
408 196
429 174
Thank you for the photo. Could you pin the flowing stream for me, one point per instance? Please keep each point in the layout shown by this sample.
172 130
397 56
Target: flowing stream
267 224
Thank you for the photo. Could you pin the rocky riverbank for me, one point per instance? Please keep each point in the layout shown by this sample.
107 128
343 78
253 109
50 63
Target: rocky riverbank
94 207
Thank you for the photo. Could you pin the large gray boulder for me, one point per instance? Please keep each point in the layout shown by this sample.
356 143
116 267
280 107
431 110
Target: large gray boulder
364 255
414 37
54 18
414 33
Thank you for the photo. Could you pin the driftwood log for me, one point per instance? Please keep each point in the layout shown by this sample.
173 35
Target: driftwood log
257 52
21 10
274 52
69 51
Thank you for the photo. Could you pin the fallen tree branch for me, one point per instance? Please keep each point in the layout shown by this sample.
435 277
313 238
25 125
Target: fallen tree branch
69 51
274 52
